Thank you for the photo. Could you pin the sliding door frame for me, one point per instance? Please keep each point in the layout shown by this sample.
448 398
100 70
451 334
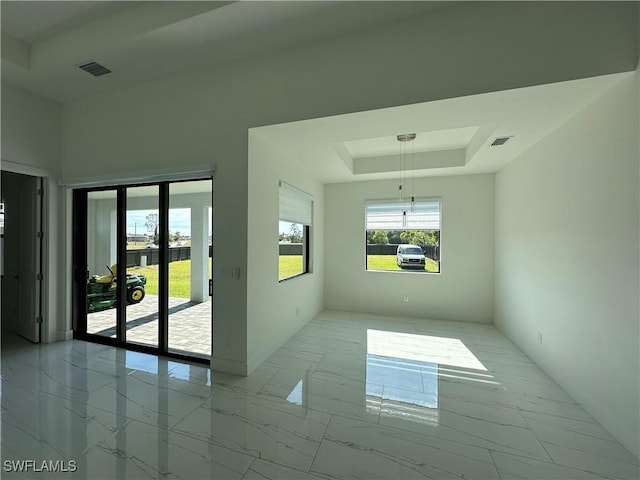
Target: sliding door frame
163 269
80 273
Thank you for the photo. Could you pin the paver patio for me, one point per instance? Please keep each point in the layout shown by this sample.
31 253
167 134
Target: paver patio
189 324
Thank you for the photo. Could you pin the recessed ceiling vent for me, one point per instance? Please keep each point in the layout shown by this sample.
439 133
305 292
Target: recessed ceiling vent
94 68
499 141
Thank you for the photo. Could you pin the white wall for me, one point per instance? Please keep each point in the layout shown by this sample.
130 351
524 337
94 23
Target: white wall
31 139
203 117
30 129
464 289
567 253
276 310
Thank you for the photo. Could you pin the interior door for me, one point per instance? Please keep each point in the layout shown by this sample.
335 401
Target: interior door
30 275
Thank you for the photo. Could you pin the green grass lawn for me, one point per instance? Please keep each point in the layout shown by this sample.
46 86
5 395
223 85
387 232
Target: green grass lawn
180 274
179 278
388 262
289 265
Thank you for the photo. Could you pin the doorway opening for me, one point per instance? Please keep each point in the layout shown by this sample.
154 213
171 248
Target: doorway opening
142 263
21 265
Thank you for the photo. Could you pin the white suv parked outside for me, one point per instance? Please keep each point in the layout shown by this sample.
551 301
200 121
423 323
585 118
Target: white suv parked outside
410 256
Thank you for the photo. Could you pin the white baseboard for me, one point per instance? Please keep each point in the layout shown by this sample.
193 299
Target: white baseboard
255 361
229 366
64 335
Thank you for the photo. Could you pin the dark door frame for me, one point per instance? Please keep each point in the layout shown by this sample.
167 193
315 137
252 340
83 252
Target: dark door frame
80 274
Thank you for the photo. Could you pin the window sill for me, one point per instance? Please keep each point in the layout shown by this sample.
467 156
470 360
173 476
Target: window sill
413 272
294 276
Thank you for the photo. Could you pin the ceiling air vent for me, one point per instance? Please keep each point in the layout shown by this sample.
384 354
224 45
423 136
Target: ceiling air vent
499 141
94 68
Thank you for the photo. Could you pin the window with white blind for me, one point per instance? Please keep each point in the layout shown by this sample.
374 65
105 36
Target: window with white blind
401 236
294 227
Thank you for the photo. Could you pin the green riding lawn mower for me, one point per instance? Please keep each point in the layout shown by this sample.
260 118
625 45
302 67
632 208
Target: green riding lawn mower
101 290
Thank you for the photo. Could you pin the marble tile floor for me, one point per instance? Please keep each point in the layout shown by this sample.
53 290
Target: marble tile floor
350 396
189 324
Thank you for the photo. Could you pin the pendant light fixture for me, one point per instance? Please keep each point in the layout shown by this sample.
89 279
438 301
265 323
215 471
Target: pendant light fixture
403 139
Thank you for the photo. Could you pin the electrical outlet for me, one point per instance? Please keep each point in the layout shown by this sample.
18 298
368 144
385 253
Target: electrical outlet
406 299
540 338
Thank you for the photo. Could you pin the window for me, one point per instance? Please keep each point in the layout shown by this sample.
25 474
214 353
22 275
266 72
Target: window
294 226
402 238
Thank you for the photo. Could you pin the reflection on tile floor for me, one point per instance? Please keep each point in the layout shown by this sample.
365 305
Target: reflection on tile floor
349 396
189 324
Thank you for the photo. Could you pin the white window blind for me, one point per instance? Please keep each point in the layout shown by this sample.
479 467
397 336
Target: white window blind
296 206
387 214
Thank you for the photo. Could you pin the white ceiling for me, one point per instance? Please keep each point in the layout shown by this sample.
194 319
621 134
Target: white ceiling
424 142
34 22
329 148
143 41
44 41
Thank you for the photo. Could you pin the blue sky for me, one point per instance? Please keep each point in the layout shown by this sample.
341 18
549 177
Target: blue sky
284 227
179 221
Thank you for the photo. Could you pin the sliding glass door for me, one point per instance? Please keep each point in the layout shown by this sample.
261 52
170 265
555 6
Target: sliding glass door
142 267
143 302
101 252
189 232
